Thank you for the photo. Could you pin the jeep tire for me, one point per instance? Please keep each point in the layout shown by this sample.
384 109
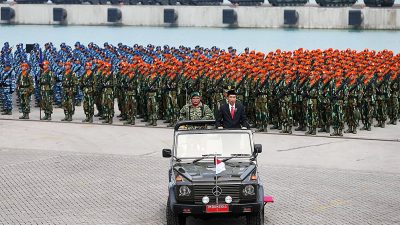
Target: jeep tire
174 219
256 219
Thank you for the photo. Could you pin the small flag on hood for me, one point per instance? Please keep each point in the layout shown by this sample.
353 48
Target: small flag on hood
219 165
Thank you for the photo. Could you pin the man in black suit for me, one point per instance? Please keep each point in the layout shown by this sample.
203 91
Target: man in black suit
232 115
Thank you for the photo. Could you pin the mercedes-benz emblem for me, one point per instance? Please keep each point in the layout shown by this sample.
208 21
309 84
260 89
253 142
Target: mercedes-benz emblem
217 191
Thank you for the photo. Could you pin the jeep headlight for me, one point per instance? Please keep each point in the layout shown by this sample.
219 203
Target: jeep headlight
184 191
248 190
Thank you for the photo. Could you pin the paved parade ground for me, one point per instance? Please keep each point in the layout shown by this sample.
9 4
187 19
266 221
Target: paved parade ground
74 173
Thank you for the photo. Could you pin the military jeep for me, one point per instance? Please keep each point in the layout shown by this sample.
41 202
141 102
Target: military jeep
213 172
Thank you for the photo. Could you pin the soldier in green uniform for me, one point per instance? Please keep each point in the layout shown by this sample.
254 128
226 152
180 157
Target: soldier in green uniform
129 87
352 106
196 110
25 89
300 107
261 104
119 94
107 99
172 101
99 89
153 87
88 85
382 95
368 102
285 103
339 93
393 107
324 105
69 84
312 93
46 82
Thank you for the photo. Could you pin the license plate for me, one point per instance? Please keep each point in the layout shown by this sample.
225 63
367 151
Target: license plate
220 208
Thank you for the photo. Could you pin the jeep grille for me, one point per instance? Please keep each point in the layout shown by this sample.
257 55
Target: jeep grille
232 190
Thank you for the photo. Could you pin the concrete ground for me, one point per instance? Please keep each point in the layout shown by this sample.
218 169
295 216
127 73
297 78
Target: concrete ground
74 173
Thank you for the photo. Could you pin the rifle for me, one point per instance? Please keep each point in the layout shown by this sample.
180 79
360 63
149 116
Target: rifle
342 85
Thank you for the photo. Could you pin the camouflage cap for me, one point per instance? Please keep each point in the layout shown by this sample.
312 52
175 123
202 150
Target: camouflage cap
194 94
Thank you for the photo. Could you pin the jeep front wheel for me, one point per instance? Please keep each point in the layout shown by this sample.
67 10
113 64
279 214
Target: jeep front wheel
174 219
256 219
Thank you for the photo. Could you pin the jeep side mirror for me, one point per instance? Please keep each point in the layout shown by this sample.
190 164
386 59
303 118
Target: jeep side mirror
257 148
166 153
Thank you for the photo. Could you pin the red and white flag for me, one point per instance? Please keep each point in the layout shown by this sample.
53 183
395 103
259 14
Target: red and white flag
219 165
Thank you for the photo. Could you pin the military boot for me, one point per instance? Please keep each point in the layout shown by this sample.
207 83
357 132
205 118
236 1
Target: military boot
23 116
154 123
110 120
49 116
274 127
69 119
90 119
313 131
394 121
283 130
340 133
86 119
7 112
105 120
289 130
349 130
65 118
383 124
150 123
378 124
322 129
128 122
335 132
45 117
354 130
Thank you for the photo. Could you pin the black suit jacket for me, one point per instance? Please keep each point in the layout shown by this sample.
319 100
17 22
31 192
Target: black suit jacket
224 117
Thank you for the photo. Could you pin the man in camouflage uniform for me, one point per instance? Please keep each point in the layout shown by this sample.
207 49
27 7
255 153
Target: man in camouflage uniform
368 102
153 87
261 105
285 103
339 93
324 105
129 87
107 99
25 90
382 95
46 82
196 110
88 85
69 86
311 94
393 107
171 97
352 112
99 90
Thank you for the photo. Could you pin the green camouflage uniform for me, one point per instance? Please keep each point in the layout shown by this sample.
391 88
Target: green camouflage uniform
97 93
129 87
338 94
25 89
312 112
172 109
153 86
69 84
285 106
201 112
46 82
352 113
261 106
382 95
393 107
368 102
107 99
324 106
88 84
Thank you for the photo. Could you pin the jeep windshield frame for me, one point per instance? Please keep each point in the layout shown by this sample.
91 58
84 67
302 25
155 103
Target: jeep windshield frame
195 144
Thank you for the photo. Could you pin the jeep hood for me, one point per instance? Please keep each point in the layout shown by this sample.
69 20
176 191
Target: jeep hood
203 172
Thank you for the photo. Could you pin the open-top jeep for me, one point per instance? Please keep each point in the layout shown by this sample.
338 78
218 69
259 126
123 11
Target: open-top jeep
213 173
